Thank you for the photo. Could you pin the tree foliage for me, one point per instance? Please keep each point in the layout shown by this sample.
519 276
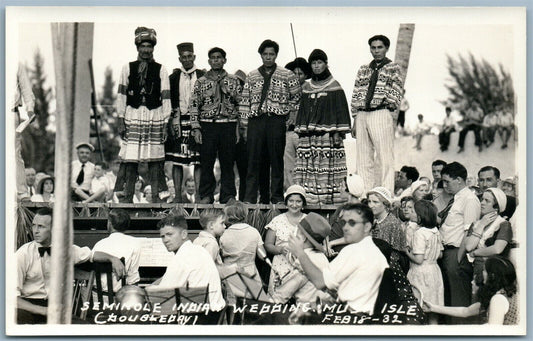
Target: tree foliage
38 141
108 127
476 81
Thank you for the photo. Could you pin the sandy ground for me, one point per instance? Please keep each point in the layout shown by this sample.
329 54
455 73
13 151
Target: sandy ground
471 158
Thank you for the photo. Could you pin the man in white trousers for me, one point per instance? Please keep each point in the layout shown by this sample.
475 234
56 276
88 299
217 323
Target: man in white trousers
376 97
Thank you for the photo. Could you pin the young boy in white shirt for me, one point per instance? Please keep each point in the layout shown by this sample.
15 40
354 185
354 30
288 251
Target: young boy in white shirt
212 222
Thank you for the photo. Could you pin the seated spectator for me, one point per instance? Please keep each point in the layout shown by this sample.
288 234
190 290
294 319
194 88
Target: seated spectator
498 298
82 172
239 246
138 194
189 195
491 234
471 120
313 229
148 194
505 126
355 274
489 127
212 222
45 190
421 129
171 191
119 245
190 266
279 230
509 188
30 180
100 187
33 269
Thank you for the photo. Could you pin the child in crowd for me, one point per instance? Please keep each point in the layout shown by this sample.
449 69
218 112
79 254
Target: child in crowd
411 218
212 222
426 247
498 301
100 187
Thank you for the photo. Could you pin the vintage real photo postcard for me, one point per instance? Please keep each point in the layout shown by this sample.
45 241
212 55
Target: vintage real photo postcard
265 171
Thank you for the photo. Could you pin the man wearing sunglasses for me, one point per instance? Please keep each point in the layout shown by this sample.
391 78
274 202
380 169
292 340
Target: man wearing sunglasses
357 271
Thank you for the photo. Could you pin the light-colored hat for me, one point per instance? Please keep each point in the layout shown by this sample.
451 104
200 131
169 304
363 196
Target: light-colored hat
315 228
501 198
85 144
415 185
385 193
294 189
355 185
510 179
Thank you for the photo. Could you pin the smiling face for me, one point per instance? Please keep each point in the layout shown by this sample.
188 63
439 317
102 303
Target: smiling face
42 229
268 56
173 237
295 203
378 50
354 227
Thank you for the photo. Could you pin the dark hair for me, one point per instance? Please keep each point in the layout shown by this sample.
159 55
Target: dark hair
177 221
40 185
440 184
102 164
208 215
189 179
268 43
448 109
235 213
119 219
438 162
216 49
495 170
381 38
455 170
46 211
301 196
406 199
501 274
363 210
427 213
410 172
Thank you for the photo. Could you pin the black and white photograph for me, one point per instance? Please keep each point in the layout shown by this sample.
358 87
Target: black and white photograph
265 171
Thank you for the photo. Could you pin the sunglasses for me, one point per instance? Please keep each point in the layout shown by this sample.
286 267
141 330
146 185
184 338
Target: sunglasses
350 222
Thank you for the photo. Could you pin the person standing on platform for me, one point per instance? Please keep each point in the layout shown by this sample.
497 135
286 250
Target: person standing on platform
214 116
270 96
180 148
302 70
376 97
143 107
321 124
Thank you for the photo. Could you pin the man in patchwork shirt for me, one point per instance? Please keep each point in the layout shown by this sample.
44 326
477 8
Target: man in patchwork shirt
376 97
270 96
214 122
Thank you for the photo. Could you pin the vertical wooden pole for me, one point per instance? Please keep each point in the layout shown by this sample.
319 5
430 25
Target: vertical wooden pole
61 277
